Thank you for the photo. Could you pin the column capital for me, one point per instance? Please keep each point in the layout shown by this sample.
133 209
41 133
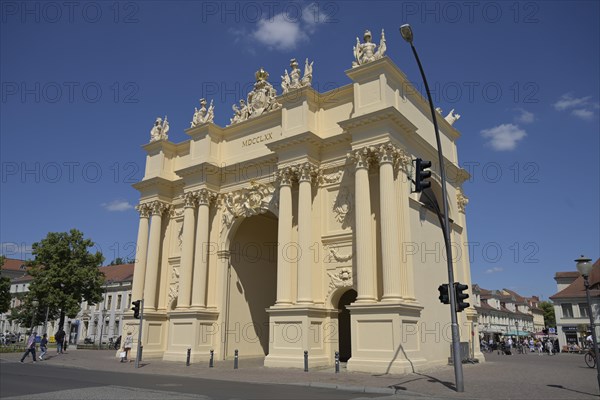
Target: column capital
143 209
306 172
189 199
284 176
385 153
361 157
205 197
158 207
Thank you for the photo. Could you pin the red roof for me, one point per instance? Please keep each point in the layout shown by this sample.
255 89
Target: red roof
13 264
577 288
118 273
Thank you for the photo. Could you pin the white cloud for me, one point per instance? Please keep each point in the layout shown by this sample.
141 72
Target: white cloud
583 113
525 117
117 205
581 107
567 101
283 32
279 33
494 270
503 137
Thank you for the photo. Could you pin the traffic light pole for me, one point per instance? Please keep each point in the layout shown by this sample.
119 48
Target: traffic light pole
138 355
458 370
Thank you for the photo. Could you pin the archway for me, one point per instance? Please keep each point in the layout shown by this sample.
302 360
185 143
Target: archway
344 325
251 286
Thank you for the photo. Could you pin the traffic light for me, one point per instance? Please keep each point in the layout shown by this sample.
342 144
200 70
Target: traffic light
136 309
461 304
444 295
421 174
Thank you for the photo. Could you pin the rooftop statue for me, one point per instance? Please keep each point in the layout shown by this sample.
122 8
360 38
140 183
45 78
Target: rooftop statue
160 130
365 52
203 115
292 80
259 101
451 118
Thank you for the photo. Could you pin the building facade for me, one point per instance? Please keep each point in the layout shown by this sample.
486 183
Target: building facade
294 228
571 306
506 313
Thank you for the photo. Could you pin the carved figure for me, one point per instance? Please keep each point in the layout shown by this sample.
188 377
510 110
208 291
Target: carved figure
159 130
260 100
365 52
451 118
203 115
439 110
293 80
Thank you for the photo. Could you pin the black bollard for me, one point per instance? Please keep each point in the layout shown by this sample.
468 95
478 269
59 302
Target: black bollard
235 360
187 360
211 362
305 360
337 362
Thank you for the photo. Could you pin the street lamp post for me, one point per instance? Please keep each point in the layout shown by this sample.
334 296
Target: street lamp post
35 304
584 266
101 327
407 34
518 337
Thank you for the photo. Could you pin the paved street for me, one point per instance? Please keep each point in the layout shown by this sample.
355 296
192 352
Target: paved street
98 375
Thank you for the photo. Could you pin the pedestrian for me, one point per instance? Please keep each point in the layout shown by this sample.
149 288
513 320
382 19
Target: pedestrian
59 337
43 346
30 347
127 344
549 347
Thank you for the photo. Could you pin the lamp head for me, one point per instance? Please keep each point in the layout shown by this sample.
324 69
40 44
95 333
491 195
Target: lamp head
406 32
584 266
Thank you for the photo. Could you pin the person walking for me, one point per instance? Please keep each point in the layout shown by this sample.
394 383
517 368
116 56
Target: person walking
30 347
43 346
59 337
127 345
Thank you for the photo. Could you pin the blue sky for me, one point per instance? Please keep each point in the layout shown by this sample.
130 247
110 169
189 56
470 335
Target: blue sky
83 82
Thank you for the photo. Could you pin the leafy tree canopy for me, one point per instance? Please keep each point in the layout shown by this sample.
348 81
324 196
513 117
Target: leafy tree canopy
4 290
64 273
549 317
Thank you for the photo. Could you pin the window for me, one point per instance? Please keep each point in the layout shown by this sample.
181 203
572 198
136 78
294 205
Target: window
567 310
109 302
97 306
129 300
583 310
119 299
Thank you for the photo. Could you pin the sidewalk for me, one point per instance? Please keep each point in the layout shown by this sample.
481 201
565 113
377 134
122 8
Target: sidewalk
502 377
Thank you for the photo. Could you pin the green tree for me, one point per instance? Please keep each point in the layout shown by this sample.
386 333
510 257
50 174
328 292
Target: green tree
64 273
117 261
549 317
4 289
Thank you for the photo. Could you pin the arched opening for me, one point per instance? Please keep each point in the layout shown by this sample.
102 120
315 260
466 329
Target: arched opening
251 286
344 325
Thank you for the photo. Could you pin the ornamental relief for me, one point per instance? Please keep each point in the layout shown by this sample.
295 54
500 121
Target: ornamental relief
258 199
340 278
174 285
461 200
342 207
331 255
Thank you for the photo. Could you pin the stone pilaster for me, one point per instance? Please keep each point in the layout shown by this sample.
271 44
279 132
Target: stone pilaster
306 173
141 253
284 239
201 260
365 263
187 251
151 281
390 256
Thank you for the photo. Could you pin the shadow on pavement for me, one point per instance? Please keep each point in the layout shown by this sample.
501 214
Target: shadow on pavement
571 390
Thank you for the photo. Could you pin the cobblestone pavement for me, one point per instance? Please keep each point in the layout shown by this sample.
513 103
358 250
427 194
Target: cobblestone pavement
564 376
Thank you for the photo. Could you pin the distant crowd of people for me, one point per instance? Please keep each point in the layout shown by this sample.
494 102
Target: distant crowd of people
525 345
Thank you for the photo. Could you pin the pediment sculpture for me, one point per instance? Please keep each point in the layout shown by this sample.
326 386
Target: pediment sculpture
160 130
203 115
451 118
259 101
368 51
293 80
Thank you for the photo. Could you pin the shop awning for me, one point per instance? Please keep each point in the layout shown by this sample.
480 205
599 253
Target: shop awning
517 333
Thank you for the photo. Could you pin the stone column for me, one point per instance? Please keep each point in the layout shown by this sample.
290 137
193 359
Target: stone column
305 264
150 286
284 238
390 256
187 251
365 263
141 252
201 261
407 281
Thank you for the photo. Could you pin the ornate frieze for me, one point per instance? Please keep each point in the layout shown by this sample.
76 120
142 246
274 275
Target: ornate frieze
461 200
203 115
333 256
327 178
259 101
368 51
160 130
293 80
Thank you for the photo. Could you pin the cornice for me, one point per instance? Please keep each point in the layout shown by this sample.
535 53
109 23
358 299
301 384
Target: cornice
211 129
249 125
164 145
389 113
153 182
